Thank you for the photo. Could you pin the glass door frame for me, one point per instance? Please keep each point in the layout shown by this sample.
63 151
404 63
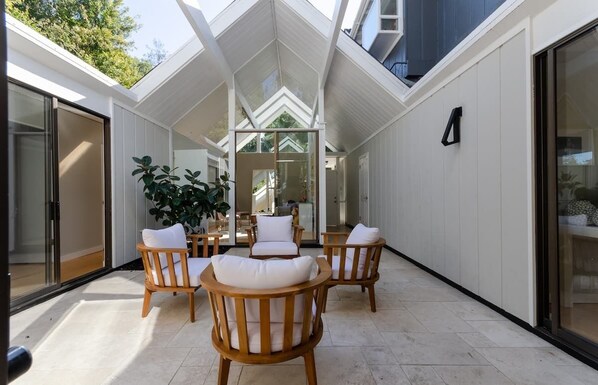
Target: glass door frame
547 229
316 132
54 206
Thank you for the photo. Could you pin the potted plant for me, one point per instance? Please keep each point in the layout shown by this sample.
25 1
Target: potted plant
174 202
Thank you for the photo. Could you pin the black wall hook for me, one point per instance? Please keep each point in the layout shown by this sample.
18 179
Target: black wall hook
454 123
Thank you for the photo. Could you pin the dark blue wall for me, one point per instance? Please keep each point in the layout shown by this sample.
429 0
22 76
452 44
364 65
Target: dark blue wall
432 29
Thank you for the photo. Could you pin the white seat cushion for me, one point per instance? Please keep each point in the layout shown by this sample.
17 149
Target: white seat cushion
362 235
274 229
274 248
172 237
196 267
250 273
253 332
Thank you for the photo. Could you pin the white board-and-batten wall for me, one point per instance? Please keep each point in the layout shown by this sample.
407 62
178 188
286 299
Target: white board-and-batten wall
132 135
464 210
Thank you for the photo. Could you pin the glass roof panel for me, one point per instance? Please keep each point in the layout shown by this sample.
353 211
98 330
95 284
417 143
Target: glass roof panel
163 28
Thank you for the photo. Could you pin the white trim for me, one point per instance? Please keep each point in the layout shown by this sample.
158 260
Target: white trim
372 68
166 70
60 53
531 207
589 18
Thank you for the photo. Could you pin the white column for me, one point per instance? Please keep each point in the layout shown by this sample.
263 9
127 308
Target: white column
232 160
322 161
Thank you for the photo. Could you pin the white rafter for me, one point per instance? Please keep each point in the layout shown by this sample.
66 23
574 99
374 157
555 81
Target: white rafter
335 29
198 22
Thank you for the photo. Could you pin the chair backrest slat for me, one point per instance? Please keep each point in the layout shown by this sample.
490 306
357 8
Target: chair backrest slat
223 320
185 271
308 300
158 268
355 266
171 273
289 313
265 341
370 253
343 261
214 306
242 325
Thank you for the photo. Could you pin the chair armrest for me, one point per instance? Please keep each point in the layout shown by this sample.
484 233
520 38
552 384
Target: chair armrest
251 235
205 241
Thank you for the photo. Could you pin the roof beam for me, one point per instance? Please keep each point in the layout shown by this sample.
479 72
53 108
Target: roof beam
192 11
335 28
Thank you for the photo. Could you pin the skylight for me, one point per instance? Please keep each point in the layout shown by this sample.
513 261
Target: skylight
163 27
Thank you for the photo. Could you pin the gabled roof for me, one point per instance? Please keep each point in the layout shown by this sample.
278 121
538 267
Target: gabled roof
272 45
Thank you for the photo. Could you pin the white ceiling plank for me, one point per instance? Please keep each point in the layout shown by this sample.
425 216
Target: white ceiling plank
198 22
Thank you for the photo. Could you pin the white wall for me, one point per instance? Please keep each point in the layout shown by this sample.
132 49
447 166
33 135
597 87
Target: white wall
461 210
132 135
466 211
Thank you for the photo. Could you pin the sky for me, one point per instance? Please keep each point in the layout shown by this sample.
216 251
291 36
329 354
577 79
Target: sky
164 20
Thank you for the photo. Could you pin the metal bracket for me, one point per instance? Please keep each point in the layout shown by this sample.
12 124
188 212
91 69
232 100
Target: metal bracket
454 123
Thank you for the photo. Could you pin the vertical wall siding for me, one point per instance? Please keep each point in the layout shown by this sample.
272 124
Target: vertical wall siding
460 210
132 136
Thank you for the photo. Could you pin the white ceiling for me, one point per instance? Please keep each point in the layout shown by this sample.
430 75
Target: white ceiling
271 44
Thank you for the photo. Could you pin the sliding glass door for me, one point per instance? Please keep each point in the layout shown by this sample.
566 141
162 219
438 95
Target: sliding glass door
57 193
31 192
567 119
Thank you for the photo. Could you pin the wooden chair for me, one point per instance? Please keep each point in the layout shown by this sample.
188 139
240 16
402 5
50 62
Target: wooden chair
274 237
340 256
167 264
245 328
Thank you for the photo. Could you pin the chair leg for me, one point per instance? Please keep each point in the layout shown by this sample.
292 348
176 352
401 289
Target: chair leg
147 297
223 370
372 297
310 368
363 288
191 306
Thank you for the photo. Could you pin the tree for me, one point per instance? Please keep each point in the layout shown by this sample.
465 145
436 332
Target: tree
156 53
96 31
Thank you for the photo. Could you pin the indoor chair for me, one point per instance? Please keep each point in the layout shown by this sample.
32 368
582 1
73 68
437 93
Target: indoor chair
266 311
274 236
340 250
167 264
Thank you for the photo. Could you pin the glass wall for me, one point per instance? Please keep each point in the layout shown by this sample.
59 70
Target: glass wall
567 180
278 177
577 184
31 233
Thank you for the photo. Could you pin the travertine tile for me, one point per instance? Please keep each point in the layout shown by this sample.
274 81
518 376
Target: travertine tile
342 365
397 321
379 355
476 340
354 332
436 317
431 349
273 375
508 334
422 375
389 375
473 311
546 366
190 375
471 375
